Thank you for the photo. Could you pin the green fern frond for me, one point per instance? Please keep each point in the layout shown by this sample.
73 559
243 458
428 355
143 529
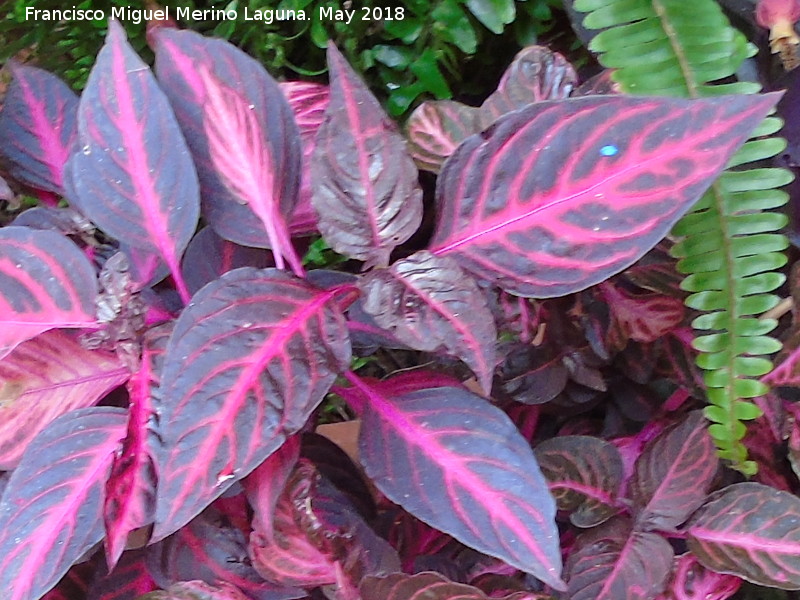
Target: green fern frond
728 248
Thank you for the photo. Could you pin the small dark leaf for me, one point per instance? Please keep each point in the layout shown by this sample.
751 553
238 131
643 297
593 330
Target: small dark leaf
585 475
129 579
430 304
429 586
365 185
673 475
198 590
436 128
752 531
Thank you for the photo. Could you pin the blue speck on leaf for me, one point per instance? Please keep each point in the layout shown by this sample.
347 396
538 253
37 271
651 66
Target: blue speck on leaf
609 150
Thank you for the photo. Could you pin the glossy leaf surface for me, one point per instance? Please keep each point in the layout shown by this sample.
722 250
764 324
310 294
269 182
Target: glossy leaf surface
44 378
131 486
133 174
248 361
585 475
558 196
453 460
750 530
207 79
673 475
45 283
429 303
37 126
365 188
51 510
427 586
620 569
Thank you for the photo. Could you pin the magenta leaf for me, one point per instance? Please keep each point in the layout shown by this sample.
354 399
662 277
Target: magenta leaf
45 283
365 186
265 485
51 510
585 474
642 318
208 256
211 550
131 486
692 581
673 475
128 581
319 539
436 128
458 463
552 198
635 568
536 74
309 102
242 135
752 531
247 363
428 586
44 378
37 126
429 303
132 173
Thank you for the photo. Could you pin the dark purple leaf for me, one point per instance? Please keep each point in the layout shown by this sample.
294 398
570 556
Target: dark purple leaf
309 102
533 374
208 80
131 486
635 568
558 196
673 475
37 126
51 510
430 304
642 318
128 581
365 185
247 363
429 586
458 463
752 531
62 220
210 550
319 539
536 74
132 173
585 474
265 485
208 256
198 590
45 282
74 584
692 581
44 378
436 128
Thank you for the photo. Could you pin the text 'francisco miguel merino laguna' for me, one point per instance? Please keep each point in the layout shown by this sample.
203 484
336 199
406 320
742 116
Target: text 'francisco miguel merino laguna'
141 15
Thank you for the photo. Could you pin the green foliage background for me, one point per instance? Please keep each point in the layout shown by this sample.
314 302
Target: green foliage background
439 45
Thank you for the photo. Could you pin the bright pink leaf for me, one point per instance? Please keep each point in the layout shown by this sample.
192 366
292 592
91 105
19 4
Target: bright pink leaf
37 126
131 487
247 363
558 196
51 511
458 463
429 303
366 192
44 378
45 283
199 75
132 173
752 531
